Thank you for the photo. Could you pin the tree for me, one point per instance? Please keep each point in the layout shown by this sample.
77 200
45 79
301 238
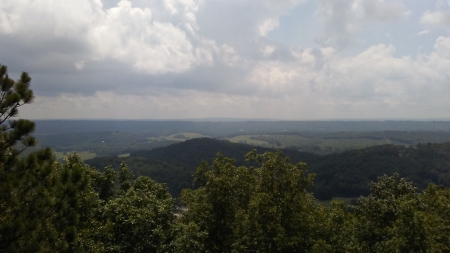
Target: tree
224 191
120 214
38 198
12 96
266 208
335 230
389 219
281 212
436 215
139 220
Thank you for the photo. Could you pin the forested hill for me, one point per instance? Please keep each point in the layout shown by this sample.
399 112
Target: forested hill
346 174
350 173
191 152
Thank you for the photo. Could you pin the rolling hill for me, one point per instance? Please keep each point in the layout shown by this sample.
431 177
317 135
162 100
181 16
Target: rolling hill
346 174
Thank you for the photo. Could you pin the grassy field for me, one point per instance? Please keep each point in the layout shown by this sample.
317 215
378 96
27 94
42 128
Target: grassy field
322 145
85 155
184 136
246 139
308 144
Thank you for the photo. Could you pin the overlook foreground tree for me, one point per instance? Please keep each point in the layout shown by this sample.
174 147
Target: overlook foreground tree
266 208
38 200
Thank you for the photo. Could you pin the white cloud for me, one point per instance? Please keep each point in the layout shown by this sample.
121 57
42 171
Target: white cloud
423 32
439 18
195 58
123 33
268 25
442 47
268 50
129 34
152 47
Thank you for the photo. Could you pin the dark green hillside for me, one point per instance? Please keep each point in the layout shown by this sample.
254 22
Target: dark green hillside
346 174
175 165
349 173
191 152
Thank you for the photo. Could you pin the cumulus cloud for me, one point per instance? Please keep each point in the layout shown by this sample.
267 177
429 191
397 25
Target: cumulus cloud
268 25
423 32
123 33
438 18
318 84
128 34
195 58
268 50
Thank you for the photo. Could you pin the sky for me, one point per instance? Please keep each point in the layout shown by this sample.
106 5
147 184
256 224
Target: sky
271 59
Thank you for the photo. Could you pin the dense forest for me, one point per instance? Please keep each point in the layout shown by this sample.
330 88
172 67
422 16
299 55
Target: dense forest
262 201
345 174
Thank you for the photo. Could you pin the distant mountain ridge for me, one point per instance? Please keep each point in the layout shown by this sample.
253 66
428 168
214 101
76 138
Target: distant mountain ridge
227 128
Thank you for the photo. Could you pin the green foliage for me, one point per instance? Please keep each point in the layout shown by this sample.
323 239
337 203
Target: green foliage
175 177
192 152
349 174
50 207
139 220
346 174
335 230
125 215
14 134
39 204
436 217
281 211
38 198
388 219
265 208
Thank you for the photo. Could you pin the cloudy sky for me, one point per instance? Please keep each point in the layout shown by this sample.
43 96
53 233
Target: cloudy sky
278 59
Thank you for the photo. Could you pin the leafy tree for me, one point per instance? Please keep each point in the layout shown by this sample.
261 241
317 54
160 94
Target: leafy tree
335 230
224 190
125 177
436 215
104 183
281 212
263 209
388 220
124 215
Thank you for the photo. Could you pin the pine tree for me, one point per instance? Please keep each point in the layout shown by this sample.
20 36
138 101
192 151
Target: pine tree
38 197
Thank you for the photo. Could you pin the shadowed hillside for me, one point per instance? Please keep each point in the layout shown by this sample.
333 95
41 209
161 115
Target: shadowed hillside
190 153
346 174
